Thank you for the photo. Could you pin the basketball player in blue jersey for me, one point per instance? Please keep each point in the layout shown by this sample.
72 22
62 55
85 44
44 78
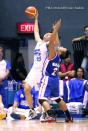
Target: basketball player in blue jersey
40 55
50 84
20 108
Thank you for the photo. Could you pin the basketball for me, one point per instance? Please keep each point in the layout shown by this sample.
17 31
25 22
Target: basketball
31 11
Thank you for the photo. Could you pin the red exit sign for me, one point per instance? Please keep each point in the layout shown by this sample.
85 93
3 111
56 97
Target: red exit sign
25 27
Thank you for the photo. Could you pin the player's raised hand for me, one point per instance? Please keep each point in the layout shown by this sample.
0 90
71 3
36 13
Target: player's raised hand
57 25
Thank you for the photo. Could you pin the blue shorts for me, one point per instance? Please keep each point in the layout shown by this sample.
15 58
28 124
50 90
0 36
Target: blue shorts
49 88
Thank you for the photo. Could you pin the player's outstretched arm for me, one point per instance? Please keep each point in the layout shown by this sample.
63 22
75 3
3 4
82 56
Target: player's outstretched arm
36 29
54 40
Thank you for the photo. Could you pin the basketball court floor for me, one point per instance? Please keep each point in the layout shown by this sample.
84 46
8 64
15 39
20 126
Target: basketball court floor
36 125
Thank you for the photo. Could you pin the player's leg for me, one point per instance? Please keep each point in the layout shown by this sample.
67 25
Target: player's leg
32 79
48 115
16 114
27 90
44 94
37 107
63 107
28 84
29 99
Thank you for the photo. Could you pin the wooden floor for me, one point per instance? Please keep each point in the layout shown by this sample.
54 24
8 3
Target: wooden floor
36 125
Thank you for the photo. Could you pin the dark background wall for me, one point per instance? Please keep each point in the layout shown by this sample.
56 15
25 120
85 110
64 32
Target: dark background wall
74 15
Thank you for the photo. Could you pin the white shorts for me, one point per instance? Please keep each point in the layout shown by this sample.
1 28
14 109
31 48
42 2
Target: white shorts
33 78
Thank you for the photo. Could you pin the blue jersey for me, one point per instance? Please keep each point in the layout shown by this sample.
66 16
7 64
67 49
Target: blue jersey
4 66
21 100
76 90
50 82
52 66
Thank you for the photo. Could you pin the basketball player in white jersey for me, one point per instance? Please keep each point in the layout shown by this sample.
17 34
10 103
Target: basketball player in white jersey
40 55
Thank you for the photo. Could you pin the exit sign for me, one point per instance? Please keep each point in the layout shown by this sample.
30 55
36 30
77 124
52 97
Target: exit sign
25 27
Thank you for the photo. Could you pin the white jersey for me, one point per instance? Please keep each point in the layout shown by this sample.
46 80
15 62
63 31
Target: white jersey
40 54
4 65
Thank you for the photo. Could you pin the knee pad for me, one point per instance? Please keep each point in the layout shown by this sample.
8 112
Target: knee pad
41 101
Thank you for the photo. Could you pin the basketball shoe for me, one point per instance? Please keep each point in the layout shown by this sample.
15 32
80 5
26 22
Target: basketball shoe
46 118
69 120
32 114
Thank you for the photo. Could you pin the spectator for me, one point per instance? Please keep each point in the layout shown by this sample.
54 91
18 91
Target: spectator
76 88
20 108
78 92
80 73
84 37
4 73
67 69
19 72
